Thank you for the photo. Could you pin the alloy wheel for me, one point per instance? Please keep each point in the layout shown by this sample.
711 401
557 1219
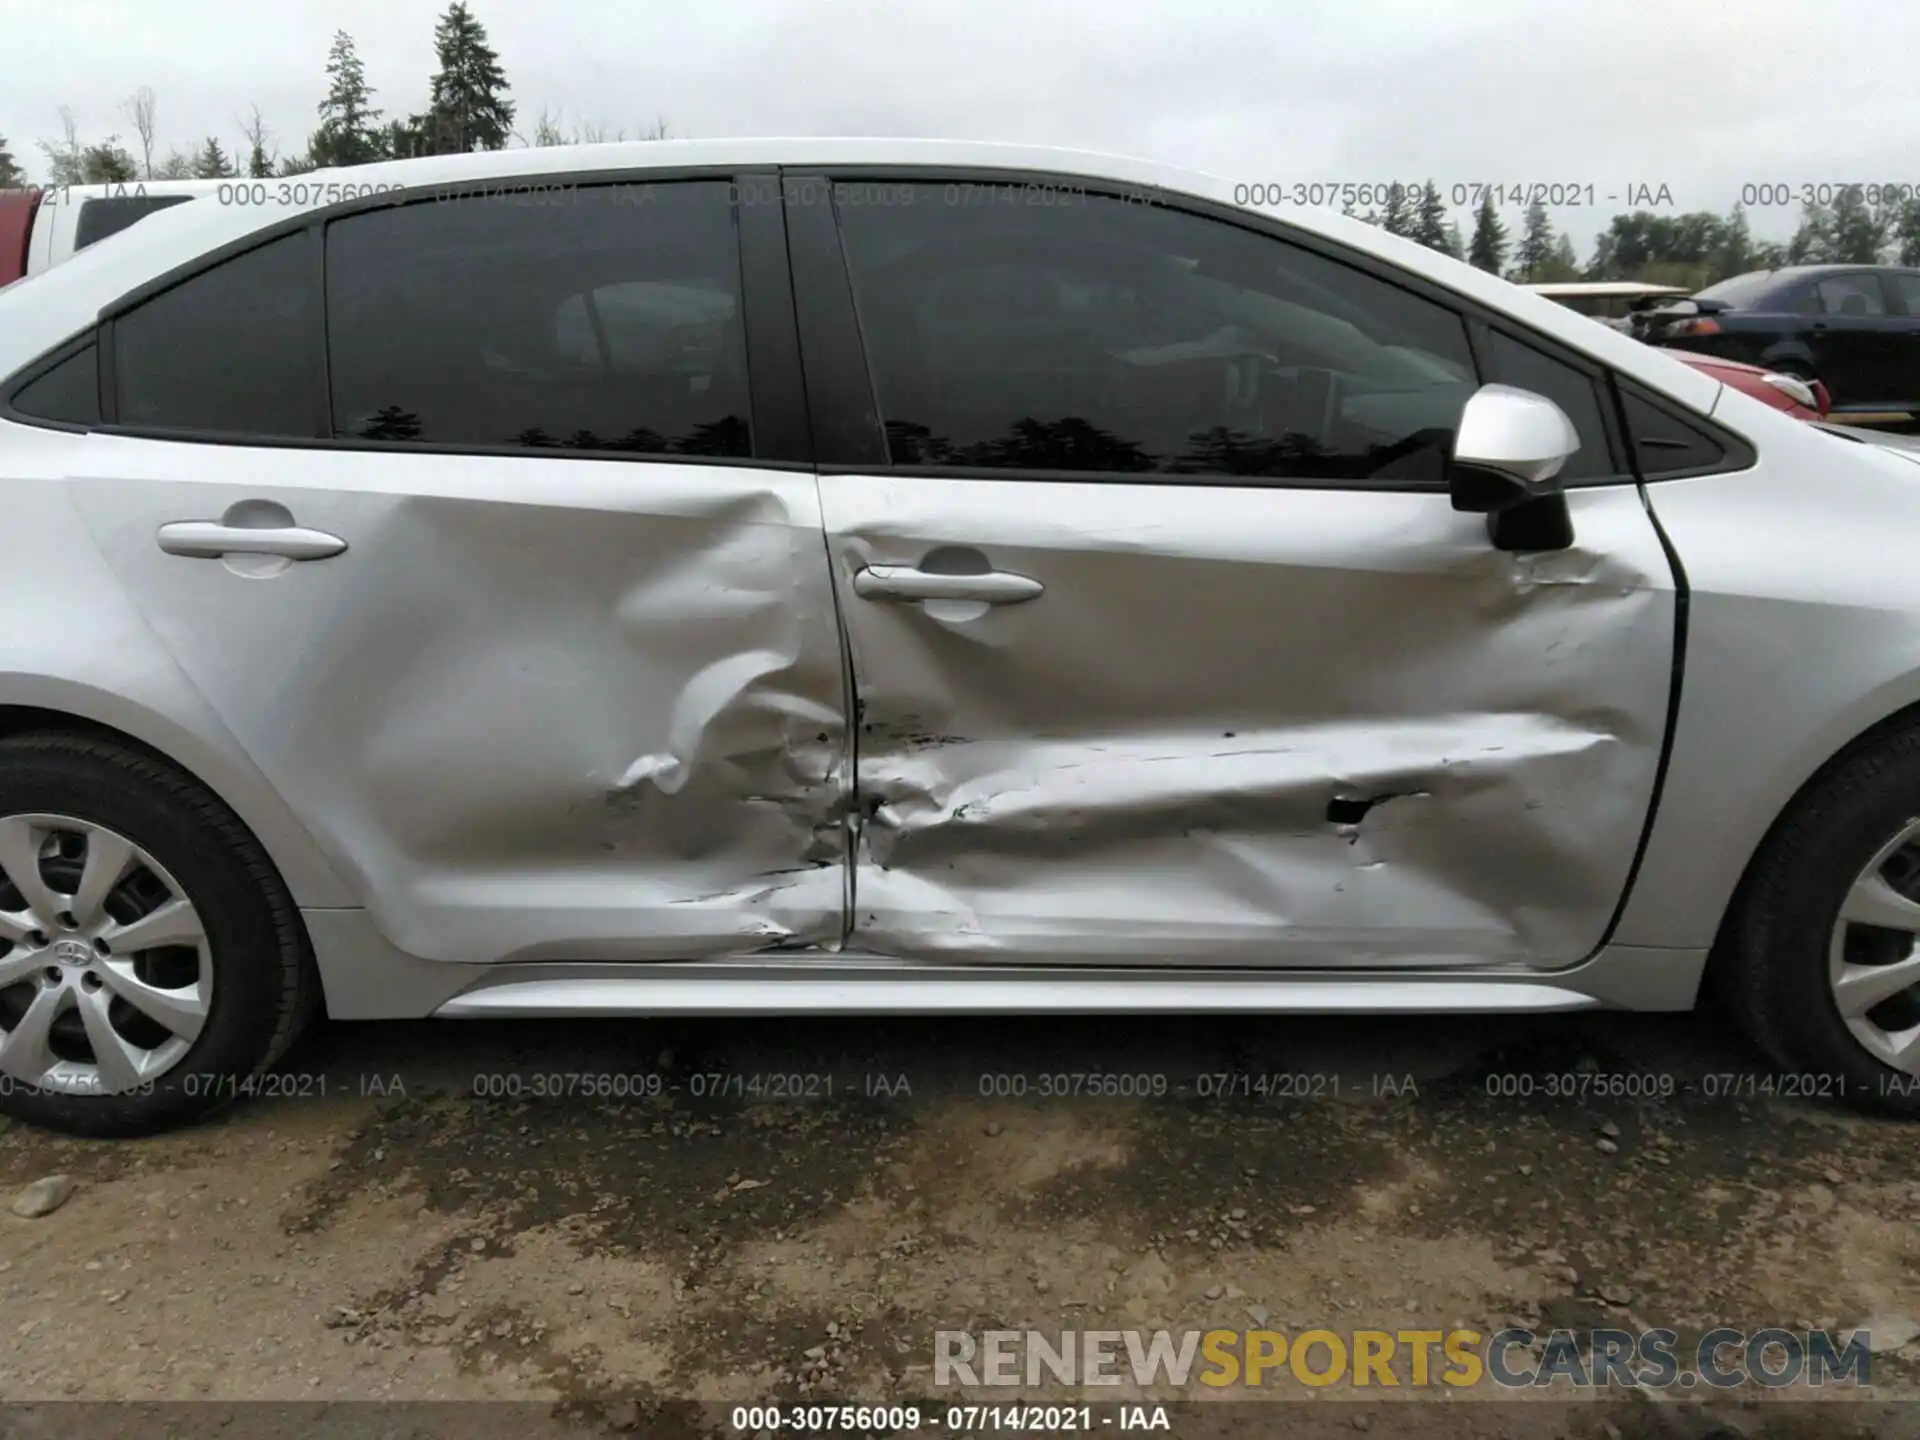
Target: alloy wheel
1874 956
106 975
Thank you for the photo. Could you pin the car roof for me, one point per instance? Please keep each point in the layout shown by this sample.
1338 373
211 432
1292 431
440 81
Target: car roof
47 309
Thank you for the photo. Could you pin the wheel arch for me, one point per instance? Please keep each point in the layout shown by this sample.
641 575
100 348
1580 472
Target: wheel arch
312 882
1722 959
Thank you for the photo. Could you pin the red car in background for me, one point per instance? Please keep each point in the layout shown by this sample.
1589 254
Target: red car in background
1614 302
1803 399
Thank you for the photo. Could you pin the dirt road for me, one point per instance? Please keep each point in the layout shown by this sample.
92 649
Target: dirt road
802 1204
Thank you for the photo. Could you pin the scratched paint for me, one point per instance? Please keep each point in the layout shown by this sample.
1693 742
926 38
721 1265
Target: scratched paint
1148 763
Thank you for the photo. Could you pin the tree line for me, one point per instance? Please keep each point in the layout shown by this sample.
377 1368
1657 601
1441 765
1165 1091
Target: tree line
467 109
1693 250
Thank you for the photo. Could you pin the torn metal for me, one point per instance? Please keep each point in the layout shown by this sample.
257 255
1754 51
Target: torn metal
1250 727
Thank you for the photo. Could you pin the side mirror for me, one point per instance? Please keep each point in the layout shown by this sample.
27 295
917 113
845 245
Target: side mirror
1508 452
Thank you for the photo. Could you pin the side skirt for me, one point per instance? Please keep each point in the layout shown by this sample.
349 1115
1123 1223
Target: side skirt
366 979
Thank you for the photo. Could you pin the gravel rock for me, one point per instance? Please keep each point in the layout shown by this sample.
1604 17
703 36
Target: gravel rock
1888 1333
44 1196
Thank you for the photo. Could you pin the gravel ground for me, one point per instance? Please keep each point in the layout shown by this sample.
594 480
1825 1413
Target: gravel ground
380 1230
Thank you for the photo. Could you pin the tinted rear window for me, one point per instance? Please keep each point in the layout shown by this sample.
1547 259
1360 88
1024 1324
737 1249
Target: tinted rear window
101 218
229 350
602 319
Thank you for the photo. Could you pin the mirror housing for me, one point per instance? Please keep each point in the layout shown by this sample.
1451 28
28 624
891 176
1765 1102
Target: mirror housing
1515 439
1508 452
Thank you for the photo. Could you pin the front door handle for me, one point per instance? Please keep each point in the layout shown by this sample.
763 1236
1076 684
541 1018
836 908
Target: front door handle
904 582
210 540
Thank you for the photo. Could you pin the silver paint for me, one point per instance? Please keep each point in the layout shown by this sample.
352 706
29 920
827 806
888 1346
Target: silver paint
1137 766
542 712
539 708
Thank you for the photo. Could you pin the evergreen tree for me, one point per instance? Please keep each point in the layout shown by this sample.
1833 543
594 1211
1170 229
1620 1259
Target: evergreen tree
347 130
1456 243
1734 254
1535 250
1906 234
1430 219
1858 233
212 162
12 177
1812 243
1488 250
1399 216
1564 257
468 107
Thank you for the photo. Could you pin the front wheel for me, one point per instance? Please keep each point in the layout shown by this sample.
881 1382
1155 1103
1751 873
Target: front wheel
151 962
1825 969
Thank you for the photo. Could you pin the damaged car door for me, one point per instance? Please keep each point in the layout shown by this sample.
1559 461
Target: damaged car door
1169 644
506 578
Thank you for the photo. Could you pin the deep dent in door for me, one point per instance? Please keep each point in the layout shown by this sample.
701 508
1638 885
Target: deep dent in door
1367 819
606 724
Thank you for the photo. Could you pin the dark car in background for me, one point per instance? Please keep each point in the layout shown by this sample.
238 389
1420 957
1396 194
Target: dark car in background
1854 327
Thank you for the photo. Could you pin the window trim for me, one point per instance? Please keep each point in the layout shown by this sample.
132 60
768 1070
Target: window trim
763 304
1737 451
828 321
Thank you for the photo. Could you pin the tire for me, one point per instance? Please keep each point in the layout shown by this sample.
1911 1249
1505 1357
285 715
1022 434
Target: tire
254 978
1777 978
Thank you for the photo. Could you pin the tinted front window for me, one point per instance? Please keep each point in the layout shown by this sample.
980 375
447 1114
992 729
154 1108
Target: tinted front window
1511 362
1907 287
608 319
101 218
1851 295
229 350
1105 335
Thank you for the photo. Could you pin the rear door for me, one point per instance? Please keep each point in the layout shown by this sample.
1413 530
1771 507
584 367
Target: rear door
1905 293
511 579
1169 647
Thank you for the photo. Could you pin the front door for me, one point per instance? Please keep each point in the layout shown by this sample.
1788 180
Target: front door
1168 645
532 641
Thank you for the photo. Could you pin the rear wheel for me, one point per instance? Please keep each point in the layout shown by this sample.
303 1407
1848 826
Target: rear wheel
151 962
1825 972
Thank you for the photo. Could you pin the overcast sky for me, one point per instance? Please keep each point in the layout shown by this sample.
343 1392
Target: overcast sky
1702 98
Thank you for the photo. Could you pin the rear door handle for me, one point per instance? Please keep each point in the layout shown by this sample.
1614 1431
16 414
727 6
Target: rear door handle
210 540
904 582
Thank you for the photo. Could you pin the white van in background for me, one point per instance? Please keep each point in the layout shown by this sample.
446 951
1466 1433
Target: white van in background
41 227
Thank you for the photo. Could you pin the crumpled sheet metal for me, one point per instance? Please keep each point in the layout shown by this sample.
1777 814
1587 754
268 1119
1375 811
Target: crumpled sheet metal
611 725
1262 730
